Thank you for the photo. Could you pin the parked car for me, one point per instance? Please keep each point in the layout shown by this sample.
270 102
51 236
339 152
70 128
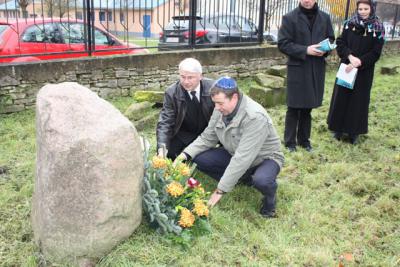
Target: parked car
215 30
41 39
270 38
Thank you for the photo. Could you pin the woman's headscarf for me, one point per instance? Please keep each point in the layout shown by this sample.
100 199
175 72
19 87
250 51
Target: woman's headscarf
370 24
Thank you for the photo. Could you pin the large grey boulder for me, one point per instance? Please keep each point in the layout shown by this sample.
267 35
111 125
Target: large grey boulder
89 173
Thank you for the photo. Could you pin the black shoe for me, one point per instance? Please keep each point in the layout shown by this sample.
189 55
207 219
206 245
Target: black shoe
291 148
308 148
353 139
268 214
268 207
337 135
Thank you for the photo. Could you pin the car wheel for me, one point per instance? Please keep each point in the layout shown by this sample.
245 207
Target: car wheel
212 37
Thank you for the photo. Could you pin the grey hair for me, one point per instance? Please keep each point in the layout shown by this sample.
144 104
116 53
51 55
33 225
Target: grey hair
191 65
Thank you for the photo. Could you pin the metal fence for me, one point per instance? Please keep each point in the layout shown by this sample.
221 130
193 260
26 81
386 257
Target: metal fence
64 28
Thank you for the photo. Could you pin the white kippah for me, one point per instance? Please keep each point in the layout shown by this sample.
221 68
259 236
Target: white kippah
191 65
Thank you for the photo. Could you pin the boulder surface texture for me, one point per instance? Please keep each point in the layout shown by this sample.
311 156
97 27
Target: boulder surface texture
89 173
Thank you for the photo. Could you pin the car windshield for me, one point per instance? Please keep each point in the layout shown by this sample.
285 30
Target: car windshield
179 23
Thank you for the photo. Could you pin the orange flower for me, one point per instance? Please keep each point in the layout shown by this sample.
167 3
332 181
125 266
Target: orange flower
200 208
175 189
187 218
184 170
159 163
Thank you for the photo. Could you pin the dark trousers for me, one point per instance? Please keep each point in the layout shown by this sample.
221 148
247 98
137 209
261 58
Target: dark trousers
175 148
213 162
297 124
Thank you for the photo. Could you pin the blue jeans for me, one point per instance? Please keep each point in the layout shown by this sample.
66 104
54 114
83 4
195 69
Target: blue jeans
214 161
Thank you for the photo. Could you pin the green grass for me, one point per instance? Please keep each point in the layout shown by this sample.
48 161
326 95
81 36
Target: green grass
338 199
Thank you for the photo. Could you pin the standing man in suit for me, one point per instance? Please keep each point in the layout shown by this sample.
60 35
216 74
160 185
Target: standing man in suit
186 110
301 31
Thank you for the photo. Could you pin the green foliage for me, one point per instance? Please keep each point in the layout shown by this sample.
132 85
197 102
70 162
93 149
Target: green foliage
339 198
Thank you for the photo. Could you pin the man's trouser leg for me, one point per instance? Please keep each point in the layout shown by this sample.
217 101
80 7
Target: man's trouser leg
304 129
175 148
213 162
264 179
291 121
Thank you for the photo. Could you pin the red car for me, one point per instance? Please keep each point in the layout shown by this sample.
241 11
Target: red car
42 39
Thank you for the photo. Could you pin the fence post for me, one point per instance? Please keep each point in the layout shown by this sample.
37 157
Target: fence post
192 22
395 21
261 22
88 25
347 10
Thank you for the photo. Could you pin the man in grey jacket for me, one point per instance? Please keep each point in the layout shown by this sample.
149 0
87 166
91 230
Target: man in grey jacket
187 108
250 145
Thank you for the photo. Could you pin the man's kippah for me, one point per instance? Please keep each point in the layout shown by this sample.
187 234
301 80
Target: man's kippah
226 83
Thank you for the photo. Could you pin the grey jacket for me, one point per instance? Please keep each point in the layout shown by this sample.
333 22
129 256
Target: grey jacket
174 110
250 138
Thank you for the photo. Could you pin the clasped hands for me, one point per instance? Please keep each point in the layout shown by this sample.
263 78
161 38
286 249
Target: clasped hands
355 62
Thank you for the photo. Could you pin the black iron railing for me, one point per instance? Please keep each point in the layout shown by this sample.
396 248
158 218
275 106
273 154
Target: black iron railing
118 25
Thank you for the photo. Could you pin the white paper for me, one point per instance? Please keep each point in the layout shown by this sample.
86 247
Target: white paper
347 78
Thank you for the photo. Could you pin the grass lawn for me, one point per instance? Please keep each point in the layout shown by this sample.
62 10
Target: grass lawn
338 199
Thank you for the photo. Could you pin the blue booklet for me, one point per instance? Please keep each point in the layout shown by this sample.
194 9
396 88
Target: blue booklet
346 79
326 46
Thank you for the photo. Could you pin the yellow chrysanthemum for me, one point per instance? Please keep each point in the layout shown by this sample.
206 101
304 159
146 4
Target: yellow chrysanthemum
175 189
187 218
184 170
159 163
201 189
200 208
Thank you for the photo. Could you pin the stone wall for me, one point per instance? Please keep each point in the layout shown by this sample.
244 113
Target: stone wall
123 75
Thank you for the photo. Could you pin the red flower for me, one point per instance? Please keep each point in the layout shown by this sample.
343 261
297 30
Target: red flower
192 183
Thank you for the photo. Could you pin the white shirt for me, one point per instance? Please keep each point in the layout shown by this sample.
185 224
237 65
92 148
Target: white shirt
197 89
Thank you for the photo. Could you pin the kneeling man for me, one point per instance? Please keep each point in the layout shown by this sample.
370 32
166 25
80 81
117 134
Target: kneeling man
250 145
186 110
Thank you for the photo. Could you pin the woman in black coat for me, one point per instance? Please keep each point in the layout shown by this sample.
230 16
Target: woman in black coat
359 46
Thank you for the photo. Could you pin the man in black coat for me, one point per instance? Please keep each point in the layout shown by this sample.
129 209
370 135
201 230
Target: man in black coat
301 31
187 108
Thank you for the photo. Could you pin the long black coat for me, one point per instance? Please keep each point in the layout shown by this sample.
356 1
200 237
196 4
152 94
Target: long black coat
348 111
305 74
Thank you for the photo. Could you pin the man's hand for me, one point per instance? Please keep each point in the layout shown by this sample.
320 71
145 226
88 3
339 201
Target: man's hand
355 61
215 197
181 157
162 152
312 50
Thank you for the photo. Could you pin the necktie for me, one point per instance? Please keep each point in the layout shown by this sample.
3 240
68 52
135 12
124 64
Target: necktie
194 98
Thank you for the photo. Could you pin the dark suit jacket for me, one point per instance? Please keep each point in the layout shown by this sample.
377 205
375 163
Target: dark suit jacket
174 110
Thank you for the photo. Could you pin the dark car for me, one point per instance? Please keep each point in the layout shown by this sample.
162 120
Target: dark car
215 30
43 39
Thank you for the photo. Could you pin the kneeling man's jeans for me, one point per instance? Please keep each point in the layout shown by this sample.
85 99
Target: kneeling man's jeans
213 162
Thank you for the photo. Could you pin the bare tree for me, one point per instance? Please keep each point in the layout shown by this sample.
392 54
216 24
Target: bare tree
274 9
23 4
56 8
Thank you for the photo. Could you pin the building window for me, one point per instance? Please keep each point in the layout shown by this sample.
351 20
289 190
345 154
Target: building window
102 15
121 17
79 15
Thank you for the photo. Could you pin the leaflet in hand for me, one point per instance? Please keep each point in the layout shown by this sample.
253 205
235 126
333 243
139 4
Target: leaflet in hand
346 79
326 46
